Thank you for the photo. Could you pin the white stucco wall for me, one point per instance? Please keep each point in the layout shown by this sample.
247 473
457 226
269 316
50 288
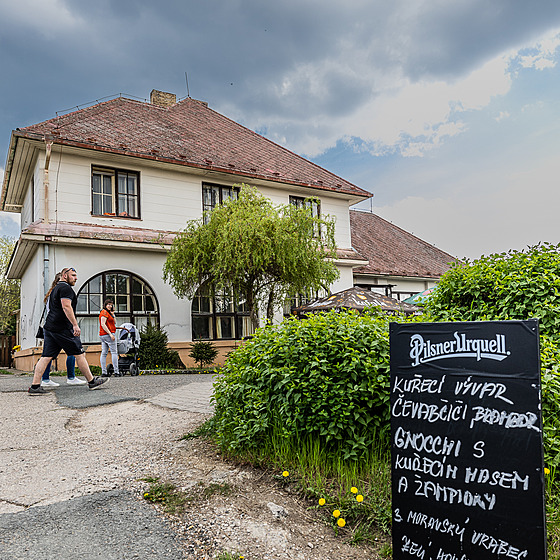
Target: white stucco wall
401 285
168 197
31 299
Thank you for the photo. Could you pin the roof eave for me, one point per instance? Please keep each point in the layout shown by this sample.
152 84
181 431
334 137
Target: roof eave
8 170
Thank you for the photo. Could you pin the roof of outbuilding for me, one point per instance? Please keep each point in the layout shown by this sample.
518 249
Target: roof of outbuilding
393 251
187 133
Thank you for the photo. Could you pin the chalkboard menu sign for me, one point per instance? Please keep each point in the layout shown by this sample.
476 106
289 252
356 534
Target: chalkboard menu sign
466 441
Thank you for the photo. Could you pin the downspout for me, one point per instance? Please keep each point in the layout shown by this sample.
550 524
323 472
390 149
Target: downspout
48 146
46 273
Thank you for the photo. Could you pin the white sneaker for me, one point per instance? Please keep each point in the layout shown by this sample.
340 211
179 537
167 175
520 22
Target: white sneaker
76 381
49 383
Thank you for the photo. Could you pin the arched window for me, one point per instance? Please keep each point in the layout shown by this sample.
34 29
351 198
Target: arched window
219 315
135 302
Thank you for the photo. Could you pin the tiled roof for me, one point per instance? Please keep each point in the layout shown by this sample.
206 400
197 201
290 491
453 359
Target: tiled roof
393 251
188 133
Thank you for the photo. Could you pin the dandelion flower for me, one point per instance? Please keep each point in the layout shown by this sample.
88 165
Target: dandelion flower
285 474
146 495
341 522
354 490
322 501
336 513
546 471
359 498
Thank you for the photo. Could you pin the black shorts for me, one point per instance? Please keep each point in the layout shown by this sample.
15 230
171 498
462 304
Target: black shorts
56 341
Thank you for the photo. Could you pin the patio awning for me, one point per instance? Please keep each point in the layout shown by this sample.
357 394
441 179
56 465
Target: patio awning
359 299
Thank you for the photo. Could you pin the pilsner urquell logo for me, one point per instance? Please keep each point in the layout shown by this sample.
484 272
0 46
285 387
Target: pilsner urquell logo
422 351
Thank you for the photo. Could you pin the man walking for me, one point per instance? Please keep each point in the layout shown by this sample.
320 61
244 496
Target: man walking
63 333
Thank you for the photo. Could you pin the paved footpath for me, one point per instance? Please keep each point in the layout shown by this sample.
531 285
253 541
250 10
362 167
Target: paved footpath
193 397
57 499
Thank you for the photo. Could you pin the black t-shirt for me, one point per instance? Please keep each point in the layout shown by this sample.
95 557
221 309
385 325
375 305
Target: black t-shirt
56 319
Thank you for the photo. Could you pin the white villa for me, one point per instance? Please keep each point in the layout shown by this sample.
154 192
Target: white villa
103 189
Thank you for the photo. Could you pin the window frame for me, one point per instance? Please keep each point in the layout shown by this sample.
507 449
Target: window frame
114 173
121 316
238 313
307 202
207 208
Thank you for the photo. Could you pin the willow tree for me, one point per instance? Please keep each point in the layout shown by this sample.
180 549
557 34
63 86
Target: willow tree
262 252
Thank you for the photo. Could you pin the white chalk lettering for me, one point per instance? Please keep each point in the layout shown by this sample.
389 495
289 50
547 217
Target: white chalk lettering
511 481
403 485
425 465
418 384
481 389
442 555
498 546
426 443
450 495
506 419
479 448
435 524
412 548
445 412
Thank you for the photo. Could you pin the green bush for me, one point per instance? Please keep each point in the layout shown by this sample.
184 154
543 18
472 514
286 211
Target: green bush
203 352
325 377
513 285
153 351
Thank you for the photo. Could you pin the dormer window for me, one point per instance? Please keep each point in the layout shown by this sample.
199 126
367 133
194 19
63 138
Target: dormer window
115 192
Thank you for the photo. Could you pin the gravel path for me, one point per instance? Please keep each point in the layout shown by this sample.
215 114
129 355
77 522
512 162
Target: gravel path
69 476
73 466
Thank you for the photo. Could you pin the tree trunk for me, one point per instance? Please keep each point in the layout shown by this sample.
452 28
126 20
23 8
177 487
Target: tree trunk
270 307
253 311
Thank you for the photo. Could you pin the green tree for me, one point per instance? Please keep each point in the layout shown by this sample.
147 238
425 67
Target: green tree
262 252
203 352
513 285
153 351
9 289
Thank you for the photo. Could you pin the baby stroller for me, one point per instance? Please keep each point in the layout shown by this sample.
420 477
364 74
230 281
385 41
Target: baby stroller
128 342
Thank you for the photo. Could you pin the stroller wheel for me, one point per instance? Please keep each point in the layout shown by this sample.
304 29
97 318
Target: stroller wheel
133 369
110 370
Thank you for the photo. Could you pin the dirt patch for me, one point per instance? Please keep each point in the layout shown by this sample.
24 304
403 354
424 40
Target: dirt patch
248 511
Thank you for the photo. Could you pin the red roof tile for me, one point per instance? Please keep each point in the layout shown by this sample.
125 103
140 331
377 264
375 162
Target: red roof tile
393 251
188 133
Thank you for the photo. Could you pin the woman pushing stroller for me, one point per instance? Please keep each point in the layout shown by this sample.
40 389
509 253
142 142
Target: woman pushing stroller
107 329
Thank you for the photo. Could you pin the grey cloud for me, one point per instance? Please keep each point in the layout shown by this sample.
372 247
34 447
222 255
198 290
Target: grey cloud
241 53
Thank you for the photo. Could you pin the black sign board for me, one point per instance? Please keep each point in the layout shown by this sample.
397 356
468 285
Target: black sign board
466 431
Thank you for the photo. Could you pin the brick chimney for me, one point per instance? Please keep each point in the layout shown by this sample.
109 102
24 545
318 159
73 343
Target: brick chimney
162 99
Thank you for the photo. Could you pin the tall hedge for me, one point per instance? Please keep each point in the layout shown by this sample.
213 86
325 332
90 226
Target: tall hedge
326 377
513 285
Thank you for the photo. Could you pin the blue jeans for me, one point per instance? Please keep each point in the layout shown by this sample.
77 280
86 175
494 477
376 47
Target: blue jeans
70 365
109 345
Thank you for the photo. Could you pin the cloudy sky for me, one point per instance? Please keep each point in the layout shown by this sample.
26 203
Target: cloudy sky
447 110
